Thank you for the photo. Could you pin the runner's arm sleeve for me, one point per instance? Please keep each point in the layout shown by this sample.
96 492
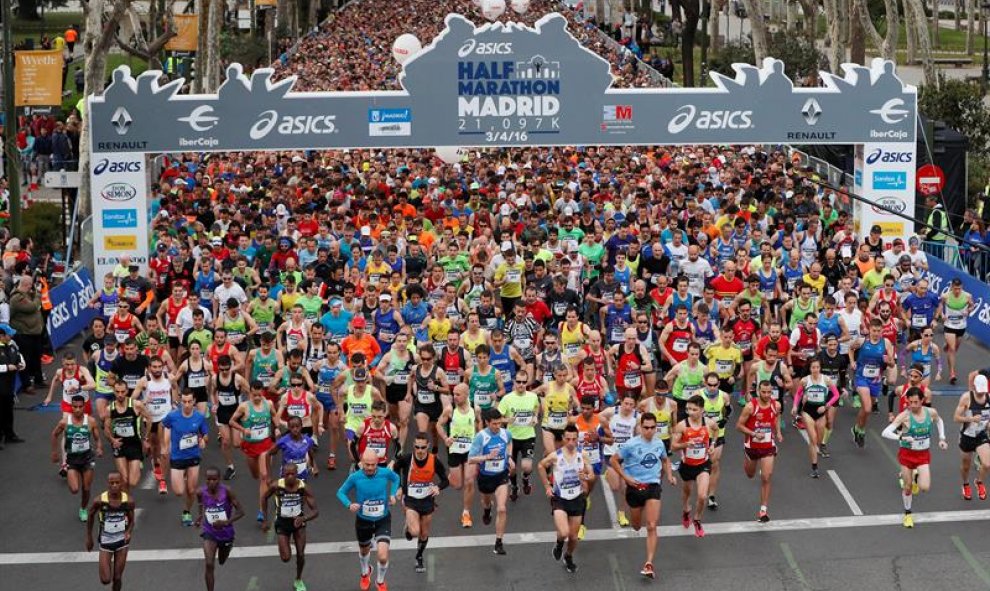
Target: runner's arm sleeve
941 428
835 396
891 395
891 432
441 474
345 489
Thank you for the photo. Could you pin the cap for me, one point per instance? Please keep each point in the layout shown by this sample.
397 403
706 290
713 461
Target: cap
366 230
506 246
385 297
359 322
876 230
133 268
7 329
980 384
162 247
109 340
359 374
281 210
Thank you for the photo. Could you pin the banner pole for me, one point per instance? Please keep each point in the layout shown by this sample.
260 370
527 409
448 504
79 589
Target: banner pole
12 157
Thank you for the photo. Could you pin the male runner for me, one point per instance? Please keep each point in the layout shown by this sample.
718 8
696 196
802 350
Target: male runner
114 509
567 494
418 471
759 423
186 431
291 495
218 510
82 435
491 450
973 411
696 435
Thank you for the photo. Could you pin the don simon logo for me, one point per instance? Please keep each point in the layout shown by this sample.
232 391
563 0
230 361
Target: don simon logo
118 192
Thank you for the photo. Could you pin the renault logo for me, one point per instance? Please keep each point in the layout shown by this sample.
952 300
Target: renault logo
121 121
812 111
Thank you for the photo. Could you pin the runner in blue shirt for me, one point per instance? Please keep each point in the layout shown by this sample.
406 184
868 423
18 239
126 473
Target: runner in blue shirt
639 462
374 490
919 309
185 435
491 451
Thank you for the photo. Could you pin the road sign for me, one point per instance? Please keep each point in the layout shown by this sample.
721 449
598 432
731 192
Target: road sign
62 180
931 179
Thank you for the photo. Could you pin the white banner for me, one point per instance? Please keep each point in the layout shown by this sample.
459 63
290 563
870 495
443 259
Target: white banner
885 175
119 190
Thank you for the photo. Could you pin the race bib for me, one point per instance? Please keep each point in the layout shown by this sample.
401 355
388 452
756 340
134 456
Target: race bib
123 429
919 321
420 490
461 445
695 452
762 435
426 397
723 366
373 509
79 446
296 410
174 330
301 466
115 526
871 371
401 378
227 399
633 379
290 509
918 443
513 276
215 514
188 441
570 490
557 420
197 381
680 345
259 432
592 454
483 399
523 419
492 466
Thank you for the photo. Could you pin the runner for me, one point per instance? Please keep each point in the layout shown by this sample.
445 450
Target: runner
954 308
760 427
973 411
299 402
395 368
424 390
329 397
559 402
816 396
227 390
185 435
696 435
718 408
912 428
619 424
219 508
640 463
688 378
417 472
155 391
491 450
74 380
835 367
375 489
521 408
297 448
378 434
127 427
870 356
359 396
568 494
253 419
81 438
114 509
292 499
633 366
458 438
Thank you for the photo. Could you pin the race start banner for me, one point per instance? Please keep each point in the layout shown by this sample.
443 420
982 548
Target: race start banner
498 85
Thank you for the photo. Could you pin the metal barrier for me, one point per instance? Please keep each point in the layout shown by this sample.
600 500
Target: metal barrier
960 256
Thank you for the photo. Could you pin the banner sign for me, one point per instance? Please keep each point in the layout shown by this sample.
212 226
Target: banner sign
885 176
940 275
186 33
70 313
504 84
119 190
38 78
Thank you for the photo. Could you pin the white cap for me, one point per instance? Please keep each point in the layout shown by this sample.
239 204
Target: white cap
506 246
280 210
366 230
980 384
505 209
568 210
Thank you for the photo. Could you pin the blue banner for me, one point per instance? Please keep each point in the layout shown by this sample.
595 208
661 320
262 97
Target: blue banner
940 275
70 313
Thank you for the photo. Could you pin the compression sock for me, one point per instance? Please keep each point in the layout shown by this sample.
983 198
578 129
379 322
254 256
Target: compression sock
365 563
907 501
382 569
421 547
827 436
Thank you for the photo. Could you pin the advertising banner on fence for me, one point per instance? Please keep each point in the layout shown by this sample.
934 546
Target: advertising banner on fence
504 84
38 78
70 314
119 190
885 176
940 275
186 33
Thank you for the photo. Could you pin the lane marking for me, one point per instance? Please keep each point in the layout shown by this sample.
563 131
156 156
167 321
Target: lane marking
431 567
972 561
885 449
853 505
610 503
786 549
148 482
515 539
617 580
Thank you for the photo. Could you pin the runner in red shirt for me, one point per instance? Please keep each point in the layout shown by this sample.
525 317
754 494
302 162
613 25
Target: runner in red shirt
377 433
759 423
727 286
774 335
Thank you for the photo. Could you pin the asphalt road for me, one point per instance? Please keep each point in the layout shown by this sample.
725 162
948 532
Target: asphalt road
839 532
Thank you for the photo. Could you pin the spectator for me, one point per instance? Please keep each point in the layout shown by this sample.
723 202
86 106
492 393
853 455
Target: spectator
25 148
62 155
26 319
42 152
11 361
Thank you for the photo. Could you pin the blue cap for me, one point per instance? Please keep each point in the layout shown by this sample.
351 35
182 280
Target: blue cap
7 329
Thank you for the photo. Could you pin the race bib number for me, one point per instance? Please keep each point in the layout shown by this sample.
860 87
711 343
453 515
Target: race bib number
592 454
513 276
259 432
483 399
215 514
290 509
227 399
570 490
918 443
174 330
723 366
426 397
373 509
633 379
79 446
114 526
871 371
919 321
123 430
188 441
695 452
460 445
557 420
197 381
680 345
401 378
492 466
420 490
296 410
762 435
523 419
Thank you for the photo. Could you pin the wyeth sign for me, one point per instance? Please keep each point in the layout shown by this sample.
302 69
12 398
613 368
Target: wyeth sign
504 84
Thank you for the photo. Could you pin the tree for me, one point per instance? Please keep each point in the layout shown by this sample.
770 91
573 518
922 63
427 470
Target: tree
801 58
758 28
960 105
886 44
837 33
920 25
692 13
141 48
28 10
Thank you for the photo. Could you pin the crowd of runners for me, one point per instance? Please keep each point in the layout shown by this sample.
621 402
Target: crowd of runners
544 318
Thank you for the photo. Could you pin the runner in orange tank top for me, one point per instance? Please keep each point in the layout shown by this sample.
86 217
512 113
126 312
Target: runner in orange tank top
695 436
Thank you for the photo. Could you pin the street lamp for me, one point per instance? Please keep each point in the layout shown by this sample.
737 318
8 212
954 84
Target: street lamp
985 78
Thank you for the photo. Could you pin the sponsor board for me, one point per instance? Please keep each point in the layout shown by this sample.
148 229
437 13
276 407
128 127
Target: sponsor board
70 314
884 177
120 242
389 122
885 180
940 275
119 218
119 188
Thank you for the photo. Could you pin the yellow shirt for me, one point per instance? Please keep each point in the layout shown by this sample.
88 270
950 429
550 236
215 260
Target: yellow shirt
816 284
512 277
436 330
724 360
555 406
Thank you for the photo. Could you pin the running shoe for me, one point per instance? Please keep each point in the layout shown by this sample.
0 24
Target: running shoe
967 491
260 518
798 423
823 451
763 516
162 487
331 462
699 530
620 516
908 520
466 520
486 516
514 493
420 567
569 565
558 550
527 486
814 473
187 519
158 473
857 402
582 531
229 473
83 515
712 503
63 470
298 585
686 519
981 490
499 548
47 359
408 535
647 571
675 465
383 586
366 580
952 379
587 503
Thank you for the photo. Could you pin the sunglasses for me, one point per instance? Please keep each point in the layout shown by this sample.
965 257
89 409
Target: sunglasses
420 447
648 427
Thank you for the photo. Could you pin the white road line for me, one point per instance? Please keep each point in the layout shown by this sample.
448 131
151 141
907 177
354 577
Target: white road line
515 539
148 482
610 502
853 505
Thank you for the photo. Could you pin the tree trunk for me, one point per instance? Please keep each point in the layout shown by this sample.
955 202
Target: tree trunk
957 14
924 43
911 34
202 46
935 40
836 35
312 15
97 38
758 29
27 10
600 12
211 74
715 25
971 9
887 44
857 39
692 11
809 8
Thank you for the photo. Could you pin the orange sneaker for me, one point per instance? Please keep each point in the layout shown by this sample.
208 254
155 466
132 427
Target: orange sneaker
366 580
967 492
981 490
466 520
382 587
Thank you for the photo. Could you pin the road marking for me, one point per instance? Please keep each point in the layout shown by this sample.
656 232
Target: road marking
885 449
431 568
610 503
253 584
853 505
971 560
617 580
148 482
786 549
546 537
